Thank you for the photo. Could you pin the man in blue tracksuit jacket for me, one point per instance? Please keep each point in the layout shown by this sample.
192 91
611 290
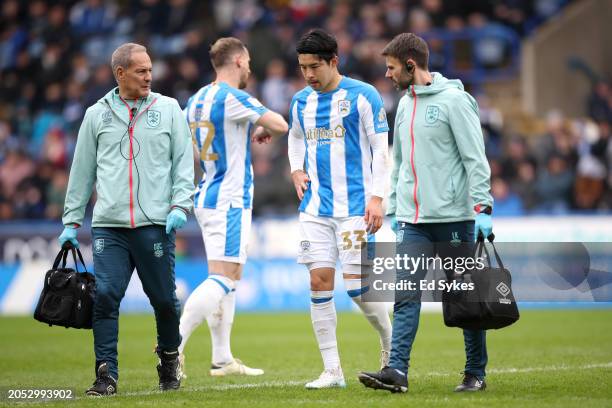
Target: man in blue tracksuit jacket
440 196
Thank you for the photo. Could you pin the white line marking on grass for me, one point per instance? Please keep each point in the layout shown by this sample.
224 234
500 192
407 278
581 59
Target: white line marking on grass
549 368
281 384
223 387
512 370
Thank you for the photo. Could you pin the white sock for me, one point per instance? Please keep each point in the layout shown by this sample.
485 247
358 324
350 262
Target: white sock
220 325
202 302
375 312
324 321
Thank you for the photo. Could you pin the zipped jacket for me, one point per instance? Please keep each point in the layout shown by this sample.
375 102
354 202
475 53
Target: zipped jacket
440 171
140 156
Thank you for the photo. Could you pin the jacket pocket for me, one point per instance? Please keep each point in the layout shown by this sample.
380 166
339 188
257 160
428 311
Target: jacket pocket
152 211
117 212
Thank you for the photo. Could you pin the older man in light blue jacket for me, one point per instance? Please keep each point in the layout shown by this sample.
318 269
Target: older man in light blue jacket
136 146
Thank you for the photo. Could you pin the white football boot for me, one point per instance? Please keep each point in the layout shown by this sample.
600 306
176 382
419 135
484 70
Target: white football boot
332 378
236 367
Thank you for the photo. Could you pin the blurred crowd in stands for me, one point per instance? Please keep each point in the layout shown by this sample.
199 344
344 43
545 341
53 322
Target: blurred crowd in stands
54 63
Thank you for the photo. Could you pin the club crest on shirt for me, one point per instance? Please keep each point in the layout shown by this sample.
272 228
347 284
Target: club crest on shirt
198 113
107 117
344 107
432 114
153 118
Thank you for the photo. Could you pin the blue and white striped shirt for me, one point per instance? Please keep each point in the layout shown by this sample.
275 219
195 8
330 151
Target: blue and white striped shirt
220 118
338 128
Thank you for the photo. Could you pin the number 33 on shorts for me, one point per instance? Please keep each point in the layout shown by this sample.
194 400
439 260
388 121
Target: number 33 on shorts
353 239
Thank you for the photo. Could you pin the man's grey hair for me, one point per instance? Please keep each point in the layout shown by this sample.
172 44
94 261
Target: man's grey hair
122 56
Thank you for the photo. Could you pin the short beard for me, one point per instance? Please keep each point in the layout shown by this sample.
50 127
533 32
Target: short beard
406 79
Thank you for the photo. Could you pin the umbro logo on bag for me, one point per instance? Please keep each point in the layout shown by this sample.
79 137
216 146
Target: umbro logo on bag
503 289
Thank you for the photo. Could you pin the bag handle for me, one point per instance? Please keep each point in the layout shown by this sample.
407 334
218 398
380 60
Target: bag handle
75 252
63 254
480 246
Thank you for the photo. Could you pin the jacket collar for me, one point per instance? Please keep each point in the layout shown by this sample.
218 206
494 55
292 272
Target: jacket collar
117 105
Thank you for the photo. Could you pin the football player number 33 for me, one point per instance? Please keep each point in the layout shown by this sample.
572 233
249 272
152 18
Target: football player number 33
208 129
353 239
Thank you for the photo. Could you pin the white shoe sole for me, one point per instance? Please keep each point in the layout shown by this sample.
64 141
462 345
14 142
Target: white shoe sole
339 384
251 372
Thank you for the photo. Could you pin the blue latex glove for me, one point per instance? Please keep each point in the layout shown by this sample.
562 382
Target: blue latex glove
484 224
69 234
176 219
394 223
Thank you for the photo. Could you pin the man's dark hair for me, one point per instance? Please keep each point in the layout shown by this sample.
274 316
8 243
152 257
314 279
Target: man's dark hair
318 42
408 45
223 49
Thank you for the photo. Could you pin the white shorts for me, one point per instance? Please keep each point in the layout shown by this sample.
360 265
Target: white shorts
225 232
327 239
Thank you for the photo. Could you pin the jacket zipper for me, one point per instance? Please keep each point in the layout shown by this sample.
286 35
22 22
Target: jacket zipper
131 134
130 178
416 181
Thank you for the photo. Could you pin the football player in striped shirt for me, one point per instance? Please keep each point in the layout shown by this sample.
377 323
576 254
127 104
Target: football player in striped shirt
221 117
338 156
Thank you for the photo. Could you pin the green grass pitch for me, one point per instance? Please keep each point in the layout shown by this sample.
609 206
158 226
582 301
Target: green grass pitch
553 358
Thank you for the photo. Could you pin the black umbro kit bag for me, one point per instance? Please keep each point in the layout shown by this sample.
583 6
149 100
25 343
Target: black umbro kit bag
68 295
491 305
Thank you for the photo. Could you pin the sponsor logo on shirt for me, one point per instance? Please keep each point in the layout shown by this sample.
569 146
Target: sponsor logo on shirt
382 115
325 136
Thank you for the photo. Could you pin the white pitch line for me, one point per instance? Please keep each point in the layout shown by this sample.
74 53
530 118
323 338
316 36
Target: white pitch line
280 384
520 370
549 368
225 387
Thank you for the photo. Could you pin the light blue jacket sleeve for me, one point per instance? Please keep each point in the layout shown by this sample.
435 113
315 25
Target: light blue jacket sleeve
465 124
182 161
82 172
